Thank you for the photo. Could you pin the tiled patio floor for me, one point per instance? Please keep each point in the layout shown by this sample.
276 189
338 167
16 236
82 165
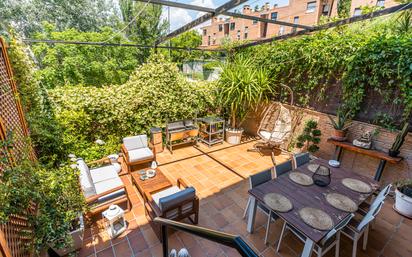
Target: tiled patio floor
219 175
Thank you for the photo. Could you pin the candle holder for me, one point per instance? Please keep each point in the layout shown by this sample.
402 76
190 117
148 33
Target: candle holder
321 177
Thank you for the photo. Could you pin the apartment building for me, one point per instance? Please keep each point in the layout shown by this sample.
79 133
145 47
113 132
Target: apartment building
304 12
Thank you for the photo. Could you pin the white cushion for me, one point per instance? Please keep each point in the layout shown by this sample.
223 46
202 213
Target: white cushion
106 185
103 173
135 142
140 154
264 134
166 192
86 181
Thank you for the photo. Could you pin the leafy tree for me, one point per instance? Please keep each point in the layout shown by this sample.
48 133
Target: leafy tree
26 17
310 137
63 64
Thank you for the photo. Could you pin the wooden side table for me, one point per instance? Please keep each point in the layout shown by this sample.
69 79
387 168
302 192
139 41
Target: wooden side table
384 157
157 183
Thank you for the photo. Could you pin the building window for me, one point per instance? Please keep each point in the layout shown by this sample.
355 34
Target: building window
208 40
311 7
274 16
254 22
238 35
214 39
325 9
220 27
357 12
380 3
204 32
295 21
246 32
281 30
232 26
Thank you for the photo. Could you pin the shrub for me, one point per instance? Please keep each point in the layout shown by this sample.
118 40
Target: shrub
310 137
155 93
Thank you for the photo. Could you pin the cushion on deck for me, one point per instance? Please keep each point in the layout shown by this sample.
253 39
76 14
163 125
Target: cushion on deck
168 191
106 185
86 181
176 198
140 154
103 173
135 142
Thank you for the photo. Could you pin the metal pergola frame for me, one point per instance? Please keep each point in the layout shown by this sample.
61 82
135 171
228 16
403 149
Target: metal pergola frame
224 10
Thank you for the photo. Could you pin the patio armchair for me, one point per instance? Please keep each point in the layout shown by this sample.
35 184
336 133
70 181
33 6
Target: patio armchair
175 203
136 150
102 187
332 239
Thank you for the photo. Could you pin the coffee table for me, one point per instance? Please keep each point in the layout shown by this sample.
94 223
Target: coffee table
157 183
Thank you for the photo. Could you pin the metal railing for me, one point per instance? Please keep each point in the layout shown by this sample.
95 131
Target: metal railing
229 240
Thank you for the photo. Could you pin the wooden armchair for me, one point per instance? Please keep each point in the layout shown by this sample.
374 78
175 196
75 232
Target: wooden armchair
102 187
175 203
136 150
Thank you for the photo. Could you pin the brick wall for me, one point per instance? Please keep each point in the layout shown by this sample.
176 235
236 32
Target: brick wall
360 163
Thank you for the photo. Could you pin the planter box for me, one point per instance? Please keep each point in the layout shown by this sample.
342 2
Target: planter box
77 236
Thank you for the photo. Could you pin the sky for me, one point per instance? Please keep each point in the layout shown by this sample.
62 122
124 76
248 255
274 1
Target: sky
180 17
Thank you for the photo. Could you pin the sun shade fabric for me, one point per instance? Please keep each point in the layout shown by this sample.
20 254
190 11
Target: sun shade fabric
135 142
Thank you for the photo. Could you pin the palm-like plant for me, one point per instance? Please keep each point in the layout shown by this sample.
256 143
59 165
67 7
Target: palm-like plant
241 87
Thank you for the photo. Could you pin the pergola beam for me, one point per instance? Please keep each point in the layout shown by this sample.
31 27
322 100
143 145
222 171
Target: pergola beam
331 25
48 41
223 8
227 13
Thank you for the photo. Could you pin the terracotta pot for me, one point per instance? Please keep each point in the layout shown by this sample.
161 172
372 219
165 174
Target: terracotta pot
340 135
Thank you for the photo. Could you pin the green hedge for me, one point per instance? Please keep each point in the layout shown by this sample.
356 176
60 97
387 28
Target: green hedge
155 93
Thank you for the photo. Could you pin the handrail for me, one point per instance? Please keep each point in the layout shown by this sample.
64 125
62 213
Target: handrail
230 240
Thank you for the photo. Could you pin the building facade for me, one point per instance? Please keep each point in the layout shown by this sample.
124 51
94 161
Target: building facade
304 12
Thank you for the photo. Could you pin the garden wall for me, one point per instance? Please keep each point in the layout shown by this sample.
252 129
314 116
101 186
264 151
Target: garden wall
360 163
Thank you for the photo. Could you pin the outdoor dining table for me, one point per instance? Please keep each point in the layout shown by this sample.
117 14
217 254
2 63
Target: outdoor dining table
309 196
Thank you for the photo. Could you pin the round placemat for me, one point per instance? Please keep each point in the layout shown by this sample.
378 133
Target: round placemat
313 167
356 185
316 218
341 202
277 202
301 178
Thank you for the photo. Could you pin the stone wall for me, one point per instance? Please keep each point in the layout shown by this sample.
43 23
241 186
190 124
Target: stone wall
350 160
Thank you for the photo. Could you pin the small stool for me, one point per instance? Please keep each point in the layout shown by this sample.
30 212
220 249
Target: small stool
114 221
156 139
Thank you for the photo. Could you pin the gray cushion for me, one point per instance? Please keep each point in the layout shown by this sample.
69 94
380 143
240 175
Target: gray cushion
176 198
135 142
168 191
140 154
103 173
189 123
106 185
178 125
86 181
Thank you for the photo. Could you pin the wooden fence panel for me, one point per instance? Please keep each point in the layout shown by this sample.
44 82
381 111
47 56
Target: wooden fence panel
15 235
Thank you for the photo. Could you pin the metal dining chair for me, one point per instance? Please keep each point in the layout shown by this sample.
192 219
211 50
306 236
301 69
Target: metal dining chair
356 229
328 242
301 159
254 181
283 168
365 206
280 169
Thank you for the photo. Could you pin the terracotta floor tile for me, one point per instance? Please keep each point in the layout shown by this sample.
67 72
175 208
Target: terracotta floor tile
150 237
137 243
108 252
123 249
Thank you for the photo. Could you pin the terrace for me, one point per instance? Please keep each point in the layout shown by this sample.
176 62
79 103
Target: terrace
300 147
220 176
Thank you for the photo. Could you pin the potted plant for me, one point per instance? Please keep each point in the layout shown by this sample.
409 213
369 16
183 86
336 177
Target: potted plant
241 87
76 236
403 199
310 137
341 124
400 138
